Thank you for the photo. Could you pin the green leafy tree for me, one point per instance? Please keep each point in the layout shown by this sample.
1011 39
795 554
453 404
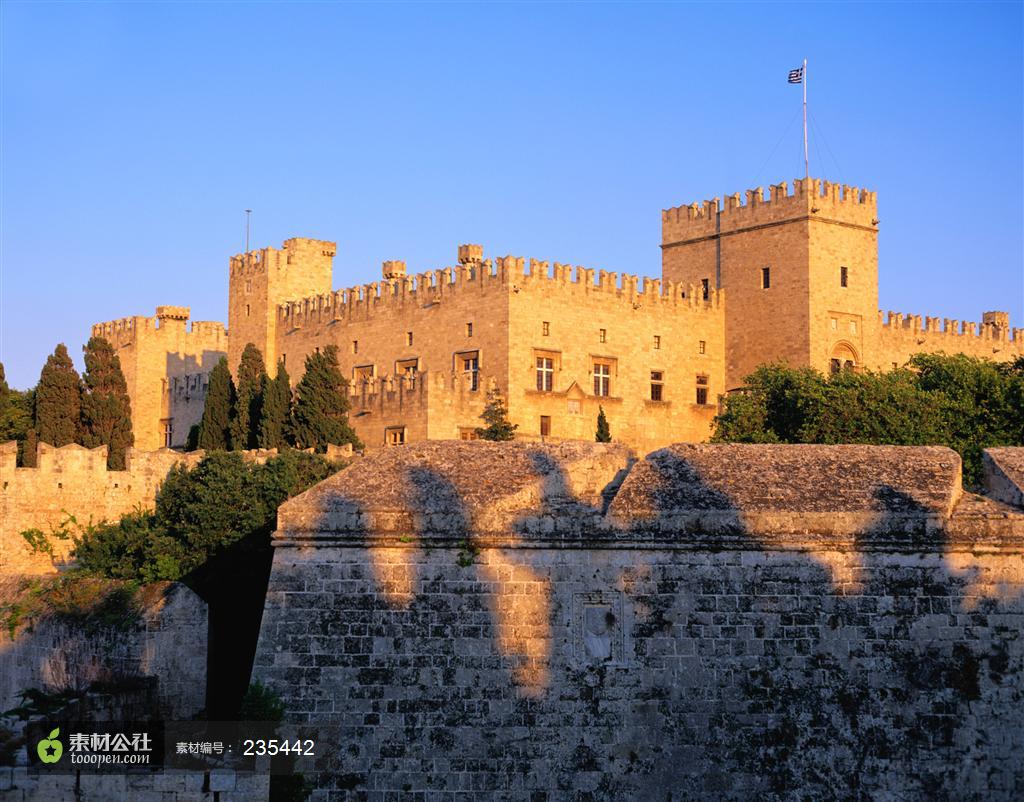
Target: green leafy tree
962 402
58 400
106 409
604 432
276 409
15 412
28 450
495 415
215 426
245 421
321 404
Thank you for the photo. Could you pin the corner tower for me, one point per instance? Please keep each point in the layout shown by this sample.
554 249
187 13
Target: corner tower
801 272
262 279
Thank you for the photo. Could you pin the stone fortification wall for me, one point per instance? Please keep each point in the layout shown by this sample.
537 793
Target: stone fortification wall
521 622
71 480
168 642
901 336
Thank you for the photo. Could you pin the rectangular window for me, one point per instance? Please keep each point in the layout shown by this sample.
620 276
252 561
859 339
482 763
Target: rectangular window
844 277
394 436
467 433
247 310
705 288
702 389
469 329
766 278
702 347
545 373
657 342
407 367
363 373
602 379
470 366
602 335
545 425
834 323
853 327
168 432
657 385
574 406
545 328
355 346
408 338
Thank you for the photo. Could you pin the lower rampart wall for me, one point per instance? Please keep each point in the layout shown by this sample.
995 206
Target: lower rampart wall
474 622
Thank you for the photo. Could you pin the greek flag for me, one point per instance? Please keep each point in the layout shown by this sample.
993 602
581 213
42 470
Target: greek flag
796 76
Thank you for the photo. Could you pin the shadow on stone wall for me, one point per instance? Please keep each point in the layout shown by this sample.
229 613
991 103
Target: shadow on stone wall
672 641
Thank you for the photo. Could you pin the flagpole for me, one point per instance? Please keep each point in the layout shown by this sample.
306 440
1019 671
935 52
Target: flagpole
807 169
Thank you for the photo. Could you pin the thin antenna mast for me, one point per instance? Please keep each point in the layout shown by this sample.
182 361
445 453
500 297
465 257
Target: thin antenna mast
249 211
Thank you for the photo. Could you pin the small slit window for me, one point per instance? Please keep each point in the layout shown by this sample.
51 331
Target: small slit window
766 278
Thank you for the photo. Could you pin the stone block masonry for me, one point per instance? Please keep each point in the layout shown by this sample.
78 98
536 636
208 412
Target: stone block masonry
476 621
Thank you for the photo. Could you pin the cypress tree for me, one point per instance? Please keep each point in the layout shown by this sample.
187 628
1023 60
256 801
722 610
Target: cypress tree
5 391
106 409
276 410
246 419
321 404
29 447
495 415
604 432
215 427
58 405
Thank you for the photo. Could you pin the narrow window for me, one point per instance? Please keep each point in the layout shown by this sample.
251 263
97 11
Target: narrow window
168 432
355 346
394 436
545 328
247 310
702 347
766 278
408 338
834 366
471 371
853 327
545 373
894 366
702 389
657 342
705 288
545 425
835 324
602 379
657 384
469 329
284 360
602 335
844 276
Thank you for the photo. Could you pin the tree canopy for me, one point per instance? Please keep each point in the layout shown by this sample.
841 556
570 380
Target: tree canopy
962 402
215 427
106 409
495 415
320 417
58 400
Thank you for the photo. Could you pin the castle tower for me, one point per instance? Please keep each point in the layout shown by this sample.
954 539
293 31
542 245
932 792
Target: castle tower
801 272
262 279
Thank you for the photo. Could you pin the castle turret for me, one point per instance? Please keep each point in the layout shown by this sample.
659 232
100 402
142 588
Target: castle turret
262 279
801 270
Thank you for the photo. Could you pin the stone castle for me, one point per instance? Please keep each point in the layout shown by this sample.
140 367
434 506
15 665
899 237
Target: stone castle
791 278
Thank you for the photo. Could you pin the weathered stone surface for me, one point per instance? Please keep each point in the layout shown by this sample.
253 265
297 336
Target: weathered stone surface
447 663
1004 474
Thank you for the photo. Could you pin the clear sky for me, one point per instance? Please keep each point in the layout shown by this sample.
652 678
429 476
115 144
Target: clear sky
134 134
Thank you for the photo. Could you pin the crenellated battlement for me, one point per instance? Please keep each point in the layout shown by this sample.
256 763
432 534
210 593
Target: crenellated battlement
514 274
291 251
994 328
168 320
812 197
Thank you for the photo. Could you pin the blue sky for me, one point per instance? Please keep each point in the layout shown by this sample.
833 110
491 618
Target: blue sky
133 136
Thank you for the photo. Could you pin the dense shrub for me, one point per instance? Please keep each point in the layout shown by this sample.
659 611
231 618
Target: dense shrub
962 402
